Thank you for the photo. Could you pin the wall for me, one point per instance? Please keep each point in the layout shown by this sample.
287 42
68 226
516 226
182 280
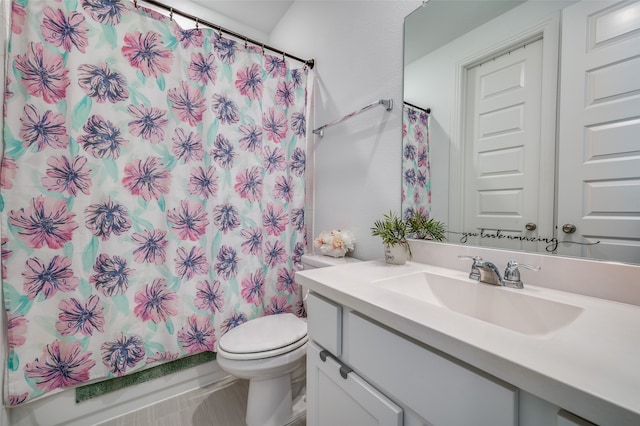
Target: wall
358 47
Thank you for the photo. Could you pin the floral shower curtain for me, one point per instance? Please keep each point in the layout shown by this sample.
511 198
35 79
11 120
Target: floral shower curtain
416 168
152 190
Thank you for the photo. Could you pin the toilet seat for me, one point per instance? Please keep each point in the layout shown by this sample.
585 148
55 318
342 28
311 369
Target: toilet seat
264 337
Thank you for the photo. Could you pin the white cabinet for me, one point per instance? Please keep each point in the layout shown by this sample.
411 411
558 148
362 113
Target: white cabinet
360 372
337 396
377 366
438 388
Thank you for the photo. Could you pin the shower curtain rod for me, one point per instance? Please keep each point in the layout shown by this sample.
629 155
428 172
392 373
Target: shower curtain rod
427 110
388 104
308 62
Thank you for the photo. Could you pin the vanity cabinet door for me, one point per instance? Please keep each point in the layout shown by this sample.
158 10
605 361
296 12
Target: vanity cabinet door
336 400
441 390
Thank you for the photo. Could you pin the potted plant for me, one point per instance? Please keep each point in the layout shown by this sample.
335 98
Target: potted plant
423 228
393 231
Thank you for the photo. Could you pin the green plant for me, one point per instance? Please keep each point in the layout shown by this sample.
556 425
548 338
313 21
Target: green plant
423 228
392 229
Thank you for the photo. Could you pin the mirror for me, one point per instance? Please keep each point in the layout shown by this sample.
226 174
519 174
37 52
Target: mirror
504 82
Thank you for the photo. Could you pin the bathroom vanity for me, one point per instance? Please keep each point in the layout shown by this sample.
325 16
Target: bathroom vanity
419 344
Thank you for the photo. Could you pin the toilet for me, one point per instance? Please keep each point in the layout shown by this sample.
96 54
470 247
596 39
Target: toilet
270 352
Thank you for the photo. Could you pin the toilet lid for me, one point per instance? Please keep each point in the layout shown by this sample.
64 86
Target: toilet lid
269 335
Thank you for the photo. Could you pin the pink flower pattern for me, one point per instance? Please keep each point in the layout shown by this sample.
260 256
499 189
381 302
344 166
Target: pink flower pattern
147 179
249 82
146 53
61 365
279 305
197 335
187 147
76 317
209 296
148 123
71 176
152 184
43 129
155 302
62 31
202 69
45 222
274 123
18 17
203 182
47 279
44 73
152 246
253 287
249 184
17 330
8 171
190 221
187 103
191 263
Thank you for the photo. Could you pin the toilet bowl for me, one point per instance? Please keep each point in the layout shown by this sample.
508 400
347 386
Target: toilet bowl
269 351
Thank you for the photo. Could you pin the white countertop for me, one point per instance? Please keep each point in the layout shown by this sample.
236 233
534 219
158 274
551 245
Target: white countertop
590 367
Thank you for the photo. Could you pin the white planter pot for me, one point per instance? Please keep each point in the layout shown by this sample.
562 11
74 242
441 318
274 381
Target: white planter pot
396 255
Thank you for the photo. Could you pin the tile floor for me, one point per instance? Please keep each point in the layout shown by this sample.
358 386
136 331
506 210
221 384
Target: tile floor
219 404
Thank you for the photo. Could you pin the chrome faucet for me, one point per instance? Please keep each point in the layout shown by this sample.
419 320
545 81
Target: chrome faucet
475 273
512 274
487 272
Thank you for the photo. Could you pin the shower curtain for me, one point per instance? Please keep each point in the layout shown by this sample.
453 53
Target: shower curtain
152 191
416 168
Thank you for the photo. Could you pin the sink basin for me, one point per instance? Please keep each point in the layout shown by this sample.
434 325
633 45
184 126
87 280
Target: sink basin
503 307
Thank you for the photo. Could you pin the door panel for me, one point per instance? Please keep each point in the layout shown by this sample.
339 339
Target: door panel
334 399
599 146
502 160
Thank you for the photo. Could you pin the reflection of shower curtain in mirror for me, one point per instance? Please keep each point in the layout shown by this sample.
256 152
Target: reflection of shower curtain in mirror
152 191
416 170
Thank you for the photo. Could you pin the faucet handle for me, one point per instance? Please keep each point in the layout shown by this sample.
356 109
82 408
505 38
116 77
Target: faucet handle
475 272
512 273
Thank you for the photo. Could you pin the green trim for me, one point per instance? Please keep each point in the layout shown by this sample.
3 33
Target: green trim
93 390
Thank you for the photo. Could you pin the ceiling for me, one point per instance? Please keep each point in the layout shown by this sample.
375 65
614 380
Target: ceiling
425 29
441 21
262 15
